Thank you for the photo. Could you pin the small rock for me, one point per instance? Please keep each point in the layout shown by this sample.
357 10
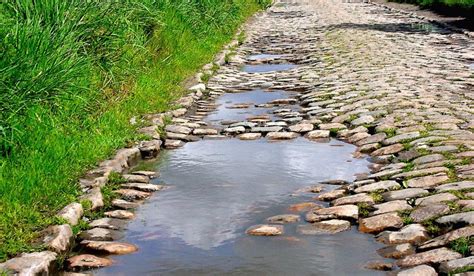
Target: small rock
72 213
466 204
374 139
379 265
397 251
123 204
120 214
281 135
456 186
178 129
150 174
143 187
250 136
303 206
354 199
300 128
427 212
336 212
391 206
434 256
282 219
58 237
29 264
332 195
118 248
94 195
453 265
413 234
427 181
467 218
332 126
382 185
318 134
87 261
448 237
404 194
437 198
392 149
100 234
428 159
265 230
324 227
129 194
134 178
421 270
108 223
173 144
363 120
205 131
379 223
401 138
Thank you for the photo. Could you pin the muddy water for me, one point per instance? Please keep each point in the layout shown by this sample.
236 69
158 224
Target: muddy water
220 188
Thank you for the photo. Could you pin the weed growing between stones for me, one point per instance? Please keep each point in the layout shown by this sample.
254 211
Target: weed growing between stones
462 245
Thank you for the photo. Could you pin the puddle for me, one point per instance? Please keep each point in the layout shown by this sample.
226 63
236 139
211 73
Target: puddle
219 189
262 68
225 113
263 57
471 66
427 27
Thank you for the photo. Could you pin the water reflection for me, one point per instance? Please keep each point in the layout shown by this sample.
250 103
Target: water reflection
219 188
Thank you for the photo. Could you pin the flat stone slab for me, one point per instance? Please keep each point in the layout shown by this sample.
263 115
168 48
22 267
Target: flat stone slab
331 195
303 206
332 126
448 237
397 251
205 131
250 136
282 219
324 227
282 135
379 223
427 181
143 187
412 234
391 206
124 204
392 149
108 223
135 178
87 261
120 214
421 270
453 265
421 172
437 198
401 138
178 129
467 217
456 186
434 256
427 212
318 134
266 129
382 185
117 248
37 263
428 159
130 194
101 234
404 194
354 199
301 128
265 230
173 144
336 212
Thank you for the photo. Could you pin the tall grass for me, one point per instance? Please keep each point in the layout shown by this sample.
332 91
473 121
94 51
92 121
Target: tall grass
72 74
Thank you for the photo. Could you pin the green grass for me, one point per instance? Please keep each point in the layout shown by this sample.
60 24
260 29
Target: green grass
464 7
462 245
73 73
